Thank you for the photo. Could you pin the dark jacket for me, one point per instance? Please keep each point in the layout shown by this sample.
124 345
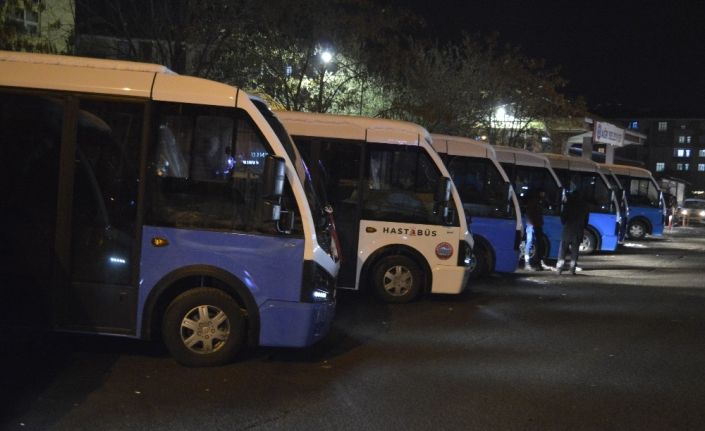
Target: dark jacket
575 213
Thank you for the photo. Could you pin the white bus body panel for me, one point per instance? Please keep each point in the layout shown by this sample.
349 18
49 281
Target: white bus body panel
448 277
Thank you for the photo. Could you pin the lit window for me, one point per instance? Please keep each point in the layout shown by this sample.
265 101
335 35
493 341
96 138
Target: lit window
660 166
701 153
701 167
634 125
681 152
662 126
682 166
681 139
688 139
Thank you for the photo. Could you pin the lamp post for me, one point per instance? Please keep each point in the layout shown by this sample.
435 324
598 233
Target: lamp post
326 57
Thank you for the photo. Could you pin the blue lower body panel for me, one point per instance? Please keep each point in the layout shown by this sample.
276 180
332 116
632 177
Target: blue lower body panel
654 216
294 324
269 267
606 227
501 235
552 228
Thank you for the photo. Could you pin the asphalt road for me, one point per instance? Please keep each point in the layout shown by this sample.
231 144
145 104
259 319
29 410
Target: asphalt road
620 346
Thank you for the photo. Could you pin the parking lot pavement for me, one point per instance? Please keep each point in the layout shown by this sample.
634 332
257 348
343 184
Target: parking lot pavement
618 346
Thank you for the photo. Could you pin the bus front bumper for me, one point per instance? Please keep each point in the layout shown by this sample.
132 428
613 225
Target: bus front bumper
294 324
450 279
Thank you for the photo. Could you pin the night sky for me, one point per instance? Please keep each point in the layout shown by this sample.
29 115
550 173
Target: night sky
626 58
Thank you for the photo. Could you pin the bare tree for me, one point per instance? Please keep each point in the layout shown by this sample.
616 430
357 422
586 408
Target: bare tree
188 36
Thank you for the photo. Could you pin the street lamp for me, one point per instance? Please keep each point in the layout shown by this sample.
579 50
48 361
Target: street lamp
326 57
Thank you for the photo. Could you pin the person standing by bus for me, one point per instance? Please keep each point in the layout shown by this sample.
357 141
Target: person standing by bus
534 231
574 218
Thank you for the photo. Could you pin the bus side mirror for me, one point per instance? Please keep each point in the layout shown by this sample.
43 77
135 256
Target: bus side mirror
274 176
442 195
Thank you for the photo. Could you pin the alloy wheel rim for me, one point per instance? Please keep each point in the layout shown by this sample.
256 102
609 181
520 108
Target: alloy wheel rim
398 280
205 329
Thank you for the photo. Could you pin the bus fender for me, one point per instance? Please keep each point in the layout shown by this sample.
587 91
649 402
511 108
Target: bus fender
189 277
399 249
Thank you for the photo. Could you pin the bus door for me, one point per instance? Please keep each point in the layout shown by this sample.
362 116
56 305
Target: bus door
338 165
102 254
69 221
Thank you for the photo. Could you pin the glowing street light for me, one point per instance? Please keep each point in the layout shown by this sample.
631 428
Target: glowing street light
326 57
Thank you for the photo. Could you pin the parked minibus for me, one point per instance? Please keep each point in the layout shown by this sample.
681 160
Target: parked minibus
529 172
490 204
145 204
400 221
576 173
647 207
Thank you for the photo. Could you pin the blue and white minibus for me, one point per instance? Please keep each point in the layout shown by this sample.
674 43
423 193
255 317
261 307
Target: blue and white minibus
576 173
140 203
400 220
647 207
529 171
491 207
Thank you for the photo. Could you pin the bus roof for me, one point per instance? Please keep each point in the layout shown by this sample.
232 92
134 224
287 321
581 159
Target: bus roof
94 63
353 127
627 170
561 161
520 156
609 174
459 146
111 77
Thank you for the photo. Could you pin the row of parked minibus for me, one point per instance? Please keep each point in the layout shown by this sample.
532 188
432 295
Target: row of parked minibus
140 203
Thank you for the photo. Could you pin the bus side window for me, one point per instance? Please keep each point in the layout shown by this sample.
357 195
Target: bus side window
219 185
400 185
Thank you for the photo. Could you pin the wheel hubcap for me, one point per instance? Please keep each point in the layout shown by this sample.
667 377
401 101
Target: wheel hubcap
205 329
585 244
636 230
398 280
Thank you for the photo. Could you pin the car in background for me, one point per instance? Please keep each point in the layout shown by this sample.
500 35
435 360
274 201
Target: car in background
691 211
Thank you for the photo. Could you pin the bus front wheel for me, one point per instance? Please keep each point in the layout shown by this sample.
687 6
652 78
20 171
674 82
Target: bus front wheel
397 279
637 229
203 327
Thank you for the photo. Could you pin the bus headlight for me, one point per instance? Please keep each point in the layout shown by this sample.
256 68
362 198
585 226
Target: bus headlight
684 212
317 285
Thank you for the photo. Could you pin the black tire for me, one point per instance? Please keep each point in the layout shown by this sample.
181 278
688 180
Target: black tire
223 334
589 243
636 229
480 263
397 279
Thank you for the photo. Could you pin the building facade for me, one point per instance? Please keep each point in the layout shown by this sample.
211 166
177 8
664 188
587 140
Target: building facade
38 25
675 148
